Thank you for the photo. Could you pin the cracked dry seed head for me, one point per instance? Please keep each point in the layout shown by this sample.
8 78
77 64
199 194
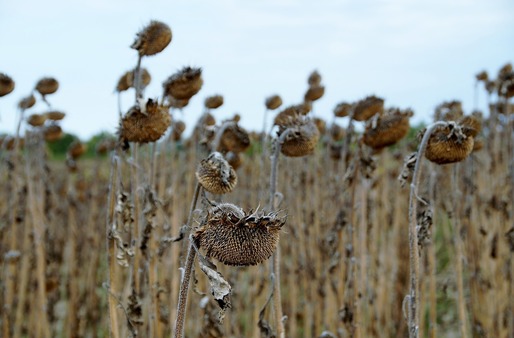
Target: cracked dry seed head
302 137
388 128
47 85
6 84
184 84
144 127
152 39
213 102
367 107
273 102
216 175
238 238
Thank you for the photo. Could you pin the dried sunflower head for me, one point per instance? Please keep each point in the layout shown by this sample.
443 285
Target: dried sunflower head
104 146
314 93
234 138
337 132
448 144
213 102
314 78
184 84
366 108
449 111
482 76
235 237
147 126
302 136
36 120
292 111
387 129
6 84
27 102
55 115
76 149
47 85
273 102
152 39
216 175
52 133
342 109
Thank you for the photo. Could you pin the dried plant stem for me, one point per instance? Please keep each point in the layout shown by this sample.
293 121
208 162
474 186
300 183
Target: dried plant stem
184 286
432 267
137 79
347 141
111 248
35 191
134 173
275 263
362 281
459 255
413 308
72 270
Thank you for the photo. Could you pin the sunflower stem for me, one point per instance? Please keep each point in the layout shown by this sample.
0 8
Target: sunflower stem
184 286
413 308
275 262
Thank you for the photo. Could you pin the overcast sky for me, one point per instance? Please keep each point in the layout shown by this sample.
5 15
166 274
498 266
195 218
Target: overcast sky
413 53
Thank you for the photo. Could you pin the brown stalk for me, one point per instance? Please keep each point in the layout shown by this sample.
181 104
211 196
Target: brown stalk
111 248
188 269
459 254
412 298
275 263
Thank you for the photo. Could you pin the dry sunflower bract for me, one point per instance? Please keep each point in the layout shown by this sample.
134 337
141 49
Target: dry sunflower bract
144 127
152 39
6 84
216 175
237 238
184 84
